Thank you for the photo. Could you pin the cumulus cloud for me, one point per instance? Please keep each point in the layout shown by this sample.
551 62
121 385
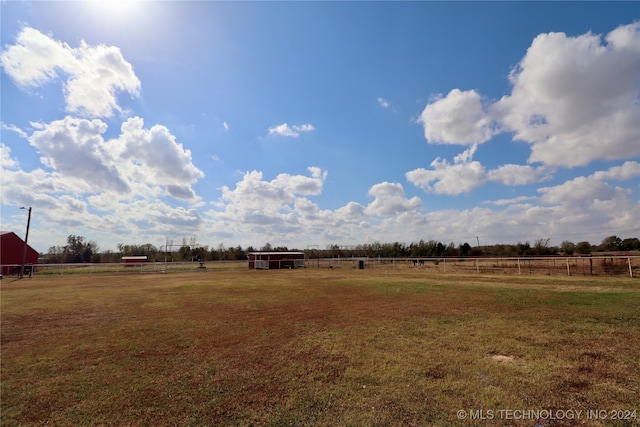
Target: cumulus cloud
94 74
154 156
280 209
74 148
462 176
587 190
458 118
5 157
511 174
254 199
352 211
293 131
389 199
465 175
626 171
574 99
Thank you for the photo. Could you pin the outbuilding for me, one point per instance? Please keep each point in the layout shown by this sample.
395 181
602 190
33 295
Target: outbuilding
131 261
11 253
275 260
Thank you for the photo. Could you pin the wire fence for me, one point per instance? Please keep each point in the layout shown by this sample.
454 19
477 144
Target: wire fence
615 265
121 268
553 266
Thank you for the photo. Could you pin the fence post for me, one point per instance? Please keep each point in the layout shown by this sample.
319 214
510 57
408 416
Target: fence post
519 272
568 271
477 266
630 270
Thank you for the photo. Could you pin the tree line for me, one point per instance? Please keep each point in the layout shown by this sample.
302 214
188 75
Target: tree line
78 249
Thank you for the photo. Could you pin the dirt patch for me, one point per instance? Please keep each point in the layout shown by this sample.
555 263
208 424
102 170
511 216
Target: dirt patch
502 358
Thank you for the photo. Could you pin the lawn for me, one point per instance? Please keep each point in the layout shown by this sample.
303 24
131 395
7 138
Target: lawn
320 347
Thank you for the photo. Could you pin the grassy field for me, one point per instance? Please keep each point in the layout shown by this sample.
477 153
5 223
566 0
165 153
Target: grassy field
320 347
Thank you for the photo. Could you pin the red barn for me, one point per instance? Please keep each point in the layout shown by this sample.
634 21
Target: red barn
275 260
11 251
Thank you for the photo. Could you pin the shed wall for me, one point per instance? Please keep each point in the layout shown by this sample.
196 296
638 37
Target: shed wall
275 260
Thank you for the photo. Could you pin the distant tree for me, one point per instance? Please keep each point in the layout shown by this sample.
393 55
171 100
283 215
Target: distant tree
200 253
631 244
451 250
464 249
222 252
583 247
267 247
523 248
55 254
503 250
184 253
237 253
567 247
541 247
78 249
611 243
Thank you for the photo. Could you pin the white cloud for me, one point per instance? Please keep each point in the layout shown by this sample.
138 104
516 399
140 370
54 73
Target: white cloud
74 148
352 211
511 174
383 103
575 99
155 157
390 200
279 211
138 161
14 128
294 131
626 171
5 157
225 125
95 74
579 191
458 118
463 176
587 190
514 200
273 209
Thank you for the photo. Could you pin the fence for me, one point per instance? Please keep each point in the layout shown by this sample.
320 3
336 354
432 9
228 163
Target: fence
615 265
130 268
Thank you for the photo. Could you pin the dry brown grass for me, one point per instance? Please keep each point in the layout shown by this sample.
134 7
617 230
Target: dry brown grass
315 347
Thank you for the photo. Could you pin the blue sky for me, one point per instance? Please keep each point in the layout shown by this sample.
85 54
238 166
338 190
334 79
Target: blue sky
318 123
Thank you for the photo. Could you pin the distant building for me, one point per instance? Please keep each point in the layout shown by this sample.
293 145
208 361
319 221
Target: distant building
11 251
130 261
275 260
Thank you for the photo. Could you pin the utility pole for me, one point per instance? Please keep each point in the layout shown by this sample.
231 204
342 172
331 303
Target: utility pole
24 251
